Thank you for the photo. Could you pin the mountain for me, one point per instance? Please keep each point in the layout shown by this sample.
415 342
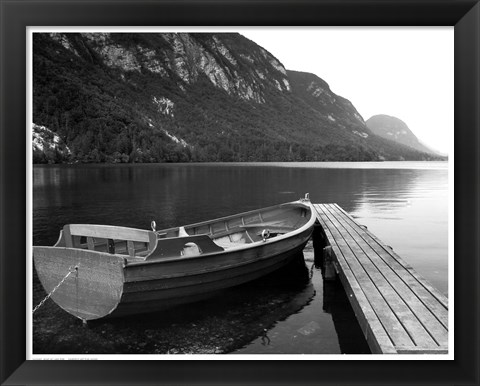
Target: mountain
395 129
168 97
47 146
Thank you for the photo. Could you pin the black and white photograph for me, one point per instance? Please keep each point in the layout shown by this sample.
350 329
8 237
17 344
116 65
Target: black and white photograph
265 193
247 192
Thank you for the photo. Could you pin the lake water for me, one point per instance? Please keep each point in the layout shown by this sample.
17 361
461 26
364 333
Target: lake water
404 203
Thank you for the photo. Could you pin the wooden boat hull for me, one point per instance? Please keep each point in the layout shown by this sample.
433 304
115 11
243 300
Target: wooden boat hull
165 292
103 284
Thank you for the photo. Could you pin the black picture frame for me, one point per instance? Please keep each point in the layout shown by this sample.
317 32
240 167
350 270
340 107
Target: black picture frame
16 15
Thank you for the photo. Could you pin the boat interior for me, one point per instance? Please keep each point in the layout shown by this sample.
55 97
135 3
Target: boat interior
196 239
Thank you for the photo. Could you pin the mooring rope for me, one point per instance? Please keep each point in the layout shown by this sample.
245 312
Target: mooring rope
72 270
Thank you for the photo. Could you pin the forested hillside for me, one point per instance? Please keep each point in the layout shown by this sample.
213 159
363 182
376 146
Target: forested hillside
109 97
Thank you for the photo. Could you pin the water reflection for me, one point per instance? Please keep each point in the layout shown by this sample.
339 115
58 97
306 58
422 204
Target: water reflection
320 314
409 211
131 195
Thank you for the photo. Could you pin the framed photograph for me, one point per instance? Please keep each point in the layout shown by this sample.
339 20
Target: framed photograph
307 331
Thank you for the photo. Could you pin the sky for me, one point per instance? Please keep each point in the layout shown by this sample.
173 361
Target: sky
404 72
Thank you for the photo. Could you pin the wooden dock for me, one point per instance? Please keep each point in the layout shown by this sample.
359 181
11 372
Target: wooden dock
398 311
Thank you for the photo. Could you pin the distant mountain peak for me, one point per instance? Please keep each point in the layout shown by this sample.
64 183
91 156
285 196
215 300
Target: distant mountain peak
395 129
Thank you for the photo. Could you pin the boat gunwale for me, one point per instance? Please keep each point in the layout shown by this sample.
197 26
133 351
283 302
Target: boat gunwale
260 210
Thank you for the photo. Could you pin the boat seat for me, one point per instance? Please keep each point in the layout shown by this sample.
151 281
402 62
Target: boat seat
171 247
233 240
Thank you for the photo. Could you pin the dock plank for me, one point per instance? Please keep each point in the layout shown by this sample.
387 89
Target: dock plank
404 280
374 332
398 310
405 270
382 296
381 309
404 301
404 267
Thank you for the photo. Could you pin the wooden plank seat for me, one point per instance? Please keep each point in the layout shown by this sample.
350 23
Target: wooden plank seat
112 239
172 247
120 247
399 311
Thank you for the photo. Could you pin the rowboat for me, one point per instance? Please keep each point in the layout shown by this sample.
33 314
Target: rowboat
97 271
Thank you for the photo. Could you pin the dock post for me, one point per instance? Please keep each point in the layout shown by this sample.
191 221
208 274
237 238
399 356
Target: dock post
318 239
329 267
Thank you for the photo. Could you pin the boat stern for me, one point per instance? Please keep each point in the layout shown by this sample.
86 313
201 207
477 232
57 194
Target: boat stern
94 286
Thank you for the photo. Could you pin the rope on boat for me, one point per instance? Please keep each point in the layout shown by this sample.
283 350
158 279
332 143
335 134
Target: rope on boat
72 270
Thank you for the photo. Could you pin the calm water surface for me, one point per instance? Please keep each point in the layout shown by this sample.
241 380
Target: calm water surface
405 204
